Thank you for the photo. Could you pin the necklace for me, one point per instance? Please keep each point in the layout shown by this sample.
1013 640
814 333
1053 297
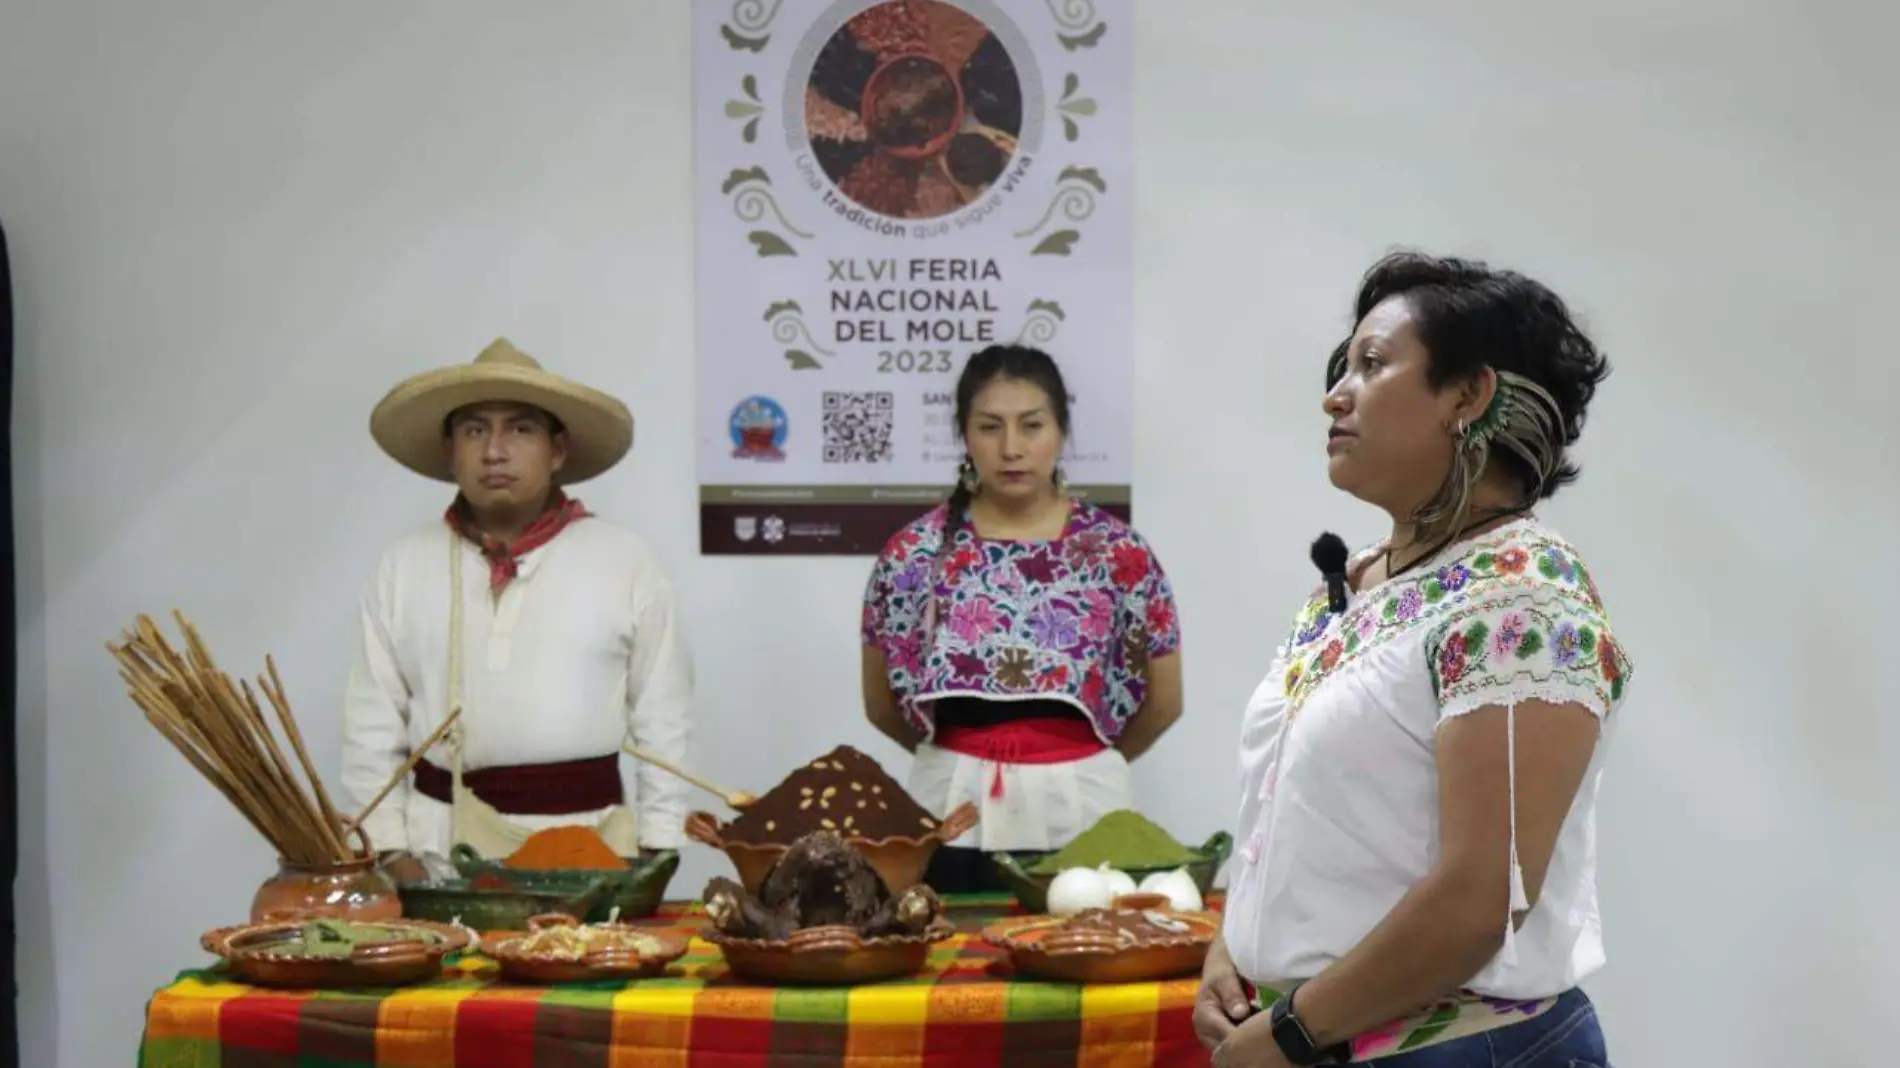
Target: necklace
1386 557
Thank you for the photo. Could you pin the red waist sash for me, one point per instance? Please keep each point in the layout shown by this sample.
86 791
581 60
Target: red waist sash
559 789
1048 740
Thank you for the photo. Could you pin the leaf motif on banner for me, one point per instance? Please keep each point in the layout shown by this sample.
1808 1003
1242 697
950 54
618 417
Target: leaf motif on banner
1072 15
751 201
802 360
1088 175
751 109
1075 195
1071 106
754 17
743 44
770 244
1077 18
1087 40
789 329
1045 318
738 178
1057 244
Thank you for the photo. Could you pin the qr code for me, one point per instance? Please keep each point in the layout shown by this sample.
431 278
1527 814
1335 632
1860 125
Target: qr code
858 428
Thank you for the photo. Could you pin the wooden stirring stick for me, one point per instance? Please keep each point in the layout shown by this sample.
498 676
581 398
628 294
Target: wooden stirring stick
733 798
403 773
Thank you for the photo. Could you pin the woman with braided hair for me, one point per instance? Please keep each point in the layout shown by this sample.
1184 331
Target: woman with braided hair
1021 643
1416 881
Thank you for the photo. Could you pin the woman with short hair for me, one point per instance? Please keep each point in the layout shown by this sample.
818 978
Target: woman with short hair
1415 885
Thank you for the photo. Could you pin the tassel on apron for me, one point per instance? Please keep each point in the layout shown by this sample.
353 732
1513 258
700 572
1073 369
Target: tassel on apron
475 822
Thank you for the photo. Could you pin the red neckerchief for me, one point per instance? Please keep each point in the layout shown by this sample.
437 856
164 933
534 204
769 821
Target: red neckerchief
504 557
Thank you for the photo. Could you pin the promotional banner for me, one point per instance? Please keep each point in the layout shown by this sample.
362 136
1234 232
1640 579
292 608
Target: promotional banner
884 188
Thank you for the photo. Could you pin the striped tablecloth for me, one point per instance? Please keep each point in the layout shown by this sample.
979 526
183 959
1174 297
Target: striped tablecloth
964 1010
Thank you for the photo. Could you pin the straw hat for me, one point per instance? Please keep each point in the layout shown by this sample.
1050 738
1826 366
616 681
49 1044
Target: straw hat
408 423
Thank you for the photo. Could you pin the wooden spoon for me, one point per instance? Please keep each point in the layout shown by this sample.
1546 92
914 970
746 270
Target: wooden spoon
402 773
734 798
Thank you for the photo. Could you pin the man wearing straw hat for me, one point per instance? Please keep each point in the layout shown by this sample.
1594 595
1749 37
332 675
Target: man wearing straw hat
552 631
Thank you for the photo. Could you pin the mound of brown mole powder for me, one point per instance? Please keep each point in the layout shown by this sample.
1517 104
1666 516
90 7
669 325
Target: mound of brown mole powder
843 791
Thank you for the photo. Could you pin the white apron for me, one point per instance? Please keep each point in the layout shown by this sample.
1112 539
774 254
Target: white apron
1042 806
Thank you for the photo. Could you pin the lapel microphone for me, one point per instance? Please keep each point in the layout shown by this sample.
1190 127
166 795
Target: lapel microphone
1329 555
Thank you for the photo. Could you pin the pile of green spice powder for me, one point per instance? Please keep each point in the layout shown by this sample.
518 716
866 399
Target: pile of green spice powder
1123 839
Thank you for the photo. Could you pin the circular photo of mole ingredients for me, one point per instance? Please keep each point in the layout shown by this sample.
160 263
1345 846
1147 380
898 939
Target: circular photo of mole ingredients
913 109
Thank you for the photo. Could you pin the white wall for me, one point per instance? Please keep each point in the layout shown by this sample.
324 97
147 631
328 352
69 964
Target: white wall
235 224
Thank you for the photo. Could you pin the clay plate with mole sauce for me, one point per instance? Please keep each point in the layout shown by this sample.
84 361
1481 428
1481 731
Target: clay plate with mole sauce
829 956
647 954
1133 941
264 954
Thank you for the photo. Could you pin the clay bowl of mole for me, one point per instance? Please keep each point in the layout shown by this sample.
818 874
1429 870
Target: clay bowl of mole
899 860
829 956
912 106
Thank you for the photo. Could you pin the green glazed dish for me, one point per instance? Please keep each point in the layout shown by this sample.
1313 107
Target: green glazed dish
636 892
453 900
1032 890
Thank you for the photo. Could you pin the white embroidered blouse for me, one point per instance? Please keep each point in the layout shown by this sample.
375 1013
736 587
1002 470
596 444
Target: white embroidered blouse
1339 809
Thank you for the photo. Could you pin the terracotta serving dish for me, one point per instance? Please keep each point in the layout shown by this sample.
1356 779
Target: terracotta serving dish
257 953
1039 946
828 956
525 967
899 861
1032 888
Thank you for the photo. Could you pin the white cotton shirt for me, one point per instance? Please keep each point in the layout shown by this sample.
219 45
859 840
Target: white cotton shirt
1339 809
580 653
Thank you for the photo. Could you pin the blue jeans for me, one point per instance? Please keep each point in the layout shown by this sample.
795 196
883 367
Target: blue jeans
1567 1036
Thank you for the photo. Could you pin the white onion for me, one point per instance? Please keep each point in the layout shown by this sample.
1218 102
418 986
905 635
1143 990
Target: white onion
1178 886
1119 882
1075 889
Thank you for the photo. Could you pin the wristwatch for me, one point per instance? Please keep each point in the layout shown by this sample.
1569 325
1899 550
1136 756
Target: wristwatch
1296 1043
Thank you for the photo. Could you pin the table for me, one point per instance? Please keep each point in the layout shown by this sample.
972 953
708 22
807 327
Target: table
966 1009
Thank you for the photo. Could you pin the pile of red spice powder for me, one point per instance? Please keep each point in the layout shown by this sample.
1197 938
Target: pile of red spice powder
843 791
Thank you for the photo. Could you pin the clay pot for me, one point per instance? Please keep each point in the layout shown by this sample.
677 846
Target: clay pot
353 890
915 68
899 861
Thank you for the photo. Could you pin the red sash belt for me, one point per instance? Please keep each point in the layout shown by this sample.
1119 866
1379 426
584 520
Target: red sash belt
1050 740
533 789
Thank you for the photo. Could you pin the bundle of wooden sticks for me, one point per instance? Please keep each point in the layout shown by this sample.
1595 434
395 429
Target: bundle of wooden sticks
222 730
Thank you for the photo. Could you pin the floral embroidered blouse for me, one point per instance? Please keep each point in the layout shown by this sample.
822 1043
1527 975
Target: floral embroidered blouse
1339 803
1076 619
